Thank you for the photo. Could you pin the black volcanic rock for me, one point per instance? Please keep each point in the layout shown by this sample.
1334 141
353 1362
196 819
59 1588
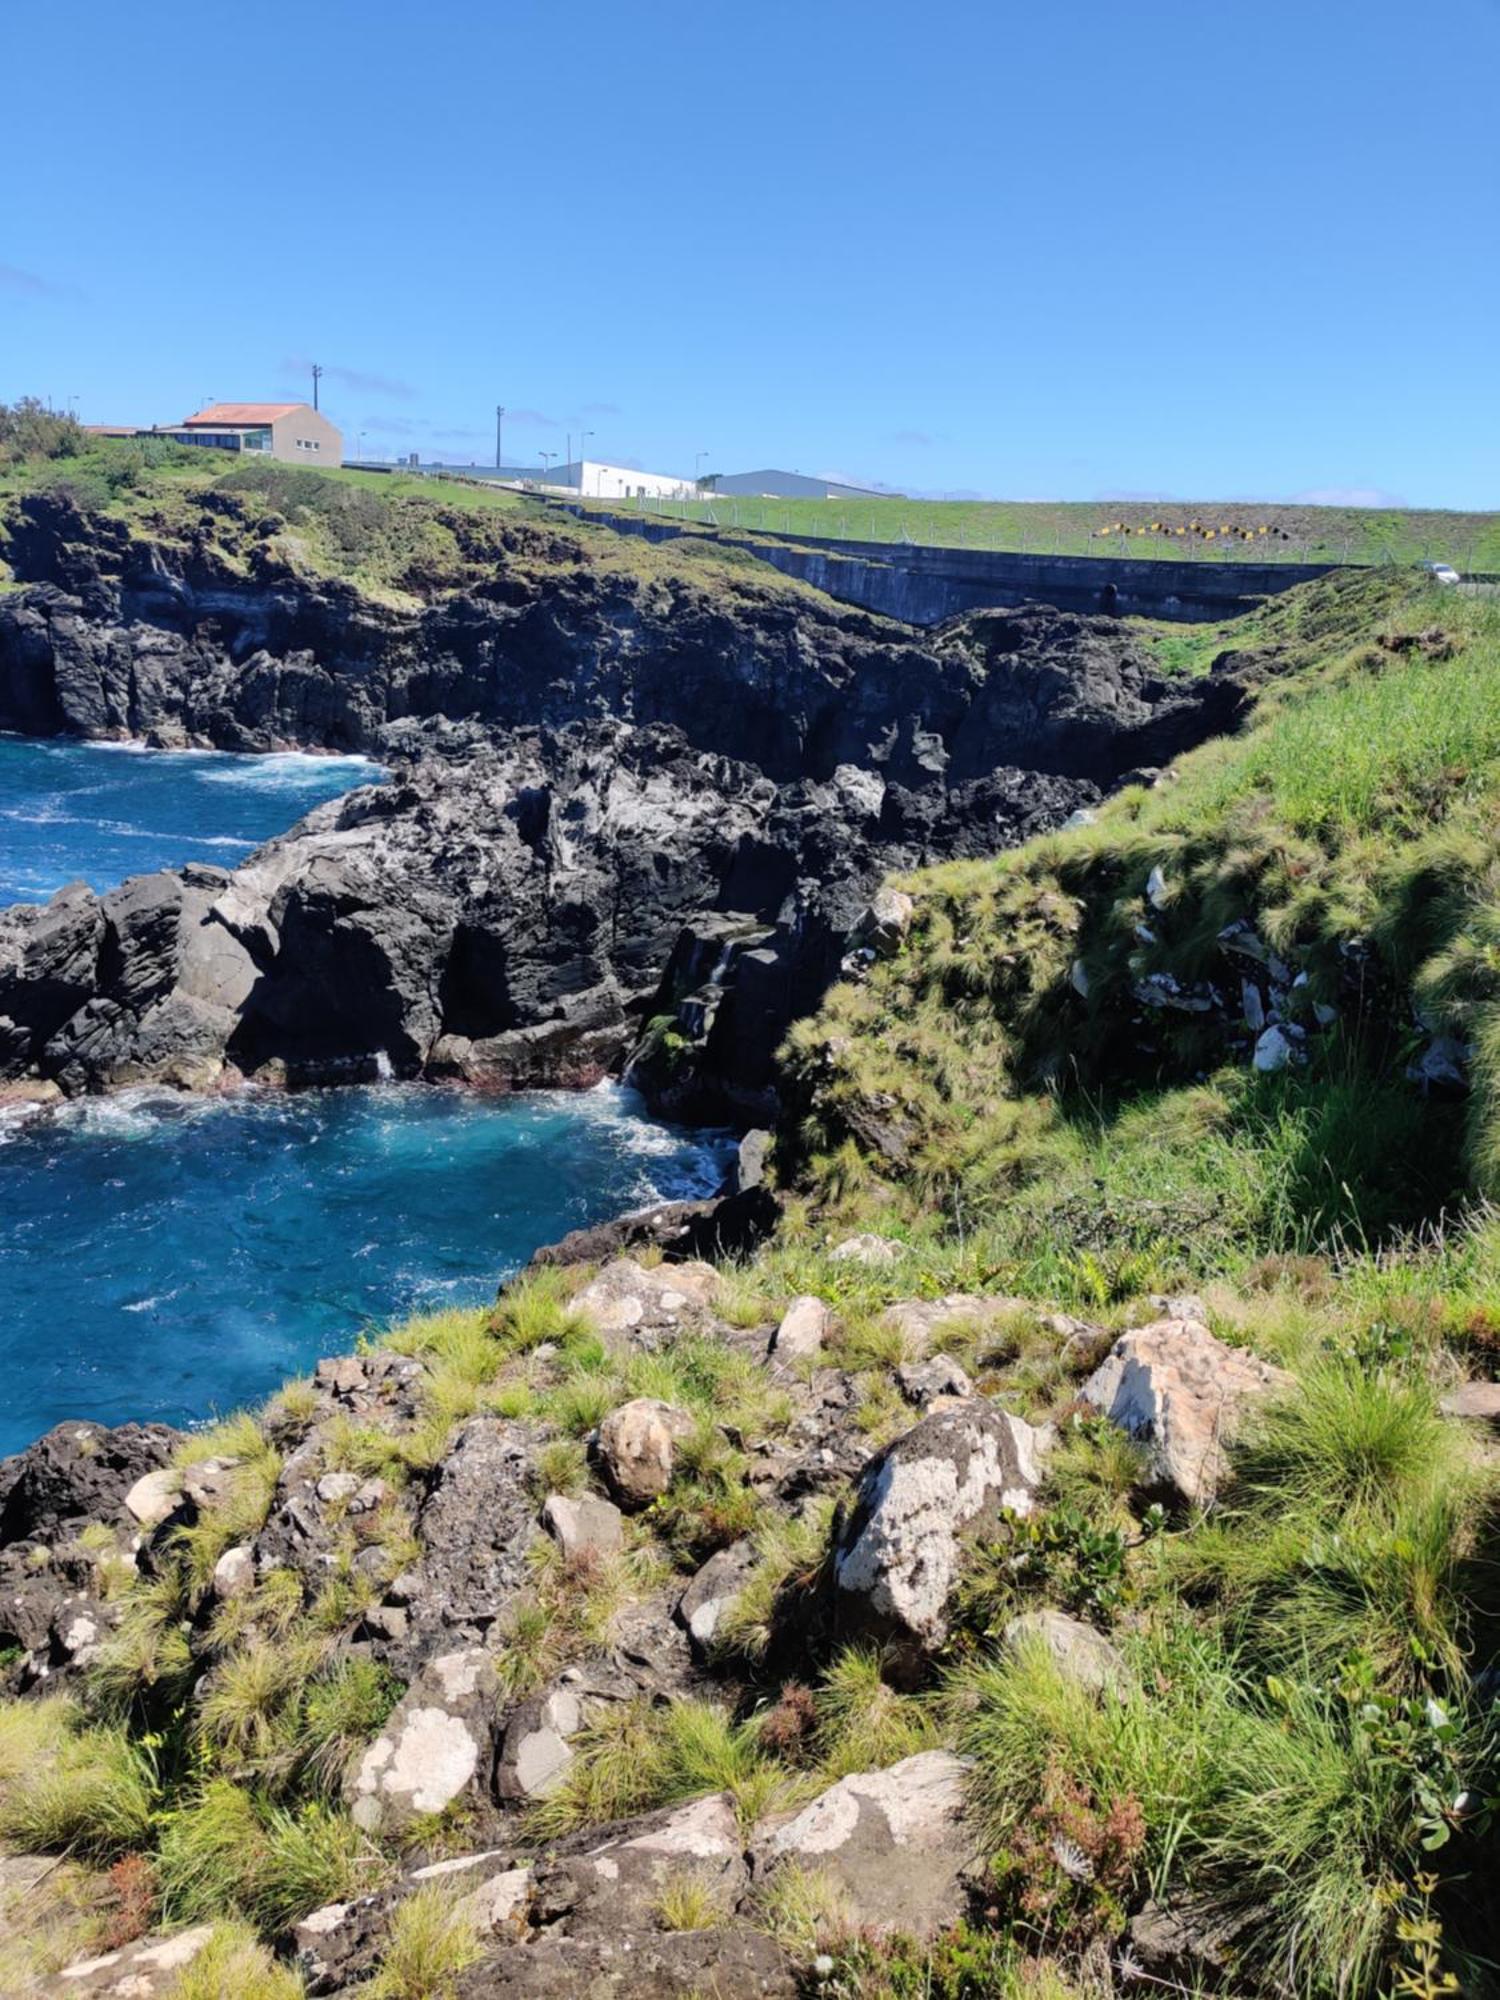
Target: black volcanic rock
635 810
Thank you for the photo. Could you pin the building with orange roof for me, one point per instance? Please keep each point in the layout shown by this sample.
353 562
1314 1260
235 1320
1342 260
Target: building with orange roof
294 433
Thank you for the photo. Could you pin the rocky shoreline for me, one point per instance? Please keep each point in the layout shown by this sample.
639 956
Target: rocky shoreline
632 822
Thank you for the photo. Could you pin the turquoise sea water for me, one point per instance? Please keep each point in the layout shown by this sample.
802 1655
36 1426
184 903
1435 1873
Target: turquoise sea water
102 811
170 1257
167 1257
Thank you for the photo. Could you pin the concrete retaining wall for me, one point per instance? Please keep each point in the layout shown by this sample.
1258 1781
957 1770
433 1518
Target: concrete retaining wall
923 585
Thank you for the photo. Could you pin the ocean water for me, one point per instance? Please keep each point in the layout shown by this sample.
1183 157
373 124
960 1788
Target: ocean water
101 811
171 1257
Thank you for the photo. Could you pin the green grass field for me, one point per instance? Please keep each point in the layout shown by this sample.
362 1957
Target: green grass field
1208 530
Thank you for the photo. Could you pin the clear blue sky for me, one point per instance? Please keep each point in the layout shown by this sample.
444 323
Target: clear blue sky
1204 248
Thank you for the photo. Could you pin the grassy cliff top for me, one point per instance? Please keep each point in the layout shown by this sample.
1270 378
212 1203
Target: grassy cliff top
1061 1054
401 540
1217 530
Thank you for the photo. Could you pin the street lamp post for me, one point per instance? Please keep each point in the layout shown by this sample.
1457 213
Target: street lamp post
499 420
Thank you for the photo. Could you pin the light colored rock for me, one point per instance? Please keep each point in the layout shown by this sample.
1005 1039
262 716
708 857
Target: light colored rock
713 1590
154 1496
637 1448
535 1753
897 1559
498 1907
1081 1654
803 1329
585 1525
867 1248
1178 1305
893 1841
336 1486
208 1481
1274 1050
1477 1400
136 1972
1181 1391
627 1299
435 1746
1158 895
234 1572
620 1882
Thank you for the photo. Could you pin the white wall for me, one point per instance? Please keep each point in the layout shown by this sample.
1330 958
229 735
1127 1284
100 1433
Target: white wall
598 481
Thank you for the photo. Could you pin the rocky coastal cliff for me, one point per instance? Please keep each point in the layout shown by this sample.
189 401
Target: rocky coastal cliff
632 812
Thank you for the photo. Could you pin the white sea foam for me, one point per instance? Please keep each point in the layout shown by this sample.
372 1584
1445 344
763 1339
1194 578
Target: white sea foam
290 770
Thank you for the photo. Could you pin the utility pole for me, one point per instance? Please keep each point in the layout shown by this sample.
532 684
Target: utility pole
583 438
317 375
499 420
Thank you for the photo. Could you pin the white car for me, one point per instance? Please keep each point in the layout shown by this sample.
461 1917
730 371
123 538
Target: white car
1441 572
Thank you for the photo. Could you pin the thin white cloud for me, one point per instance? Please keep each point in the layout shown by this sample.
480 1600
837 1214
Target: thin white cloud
1346 496
31 284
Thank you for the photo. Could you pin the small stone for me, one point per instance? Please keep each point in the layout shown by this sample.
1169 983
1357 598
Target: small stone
803 1329
208 1481
867 1248
923 1382
341 1375
535 1753
336 1486
234 1573
1273 1051
638 1446
497 1908
1478 1400
713 1590
1080 1653
583 1526
154 1496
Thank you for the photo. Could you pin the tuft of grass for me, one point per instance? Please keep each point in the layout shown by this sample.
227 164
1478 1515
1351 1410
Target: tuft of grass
690 1902
806 1910
862 1723
69 1788
228 1851
432 1939
235 1963
790 1551
636 1757
536 1308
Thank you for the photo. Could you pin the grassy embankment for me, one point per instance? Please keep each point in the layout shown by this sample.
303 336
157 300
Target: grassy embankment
1232 531
402 540
1306 1750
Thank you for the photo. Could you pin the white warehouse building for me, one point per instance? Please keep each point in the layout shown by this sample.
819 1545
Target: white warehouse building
597 481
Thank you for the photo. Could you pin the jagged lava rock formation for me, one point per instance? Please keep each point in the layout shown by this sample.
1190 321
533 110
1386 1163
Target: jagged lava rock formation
620 800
